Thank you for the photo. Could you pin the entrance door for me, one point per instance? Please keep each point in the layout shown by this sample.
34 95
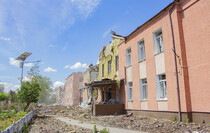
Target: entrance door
108 95
117 95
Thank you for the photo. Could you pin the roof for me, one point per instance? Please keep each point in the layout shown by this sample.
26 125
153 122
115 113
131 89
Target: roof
102 83
147 22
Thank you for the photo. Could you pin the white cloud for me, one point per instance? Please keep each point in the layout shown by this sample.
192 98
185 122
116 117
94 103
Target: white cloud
49 69
16 63
86 7
77 65
5 38
27 78
57 84
28 64
9 86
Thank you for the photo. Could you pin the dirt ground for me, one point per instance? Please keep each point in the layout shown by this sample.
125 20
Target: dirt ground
47 124
140 123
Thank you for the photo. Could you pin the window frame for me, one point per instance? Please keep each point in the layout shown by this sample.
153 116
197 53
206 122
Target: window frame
141 47
161 87
128 63
109 67
130 91
117 63
158 47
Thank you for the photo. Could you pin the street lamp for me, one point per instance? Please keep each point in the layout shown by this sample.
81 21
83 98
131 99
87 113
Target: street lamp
22 58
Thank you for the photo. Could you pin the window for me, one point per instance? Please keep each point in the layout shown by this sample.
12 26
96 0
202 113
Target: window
109 67
143 89
130 91
117 63
128 57
80 79
158 42
141 49
161 87
102 70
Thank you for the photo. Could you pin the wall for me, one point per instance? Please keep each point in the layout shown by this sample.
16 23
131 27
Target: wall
196 33
109 52
108 109
72 86
190 21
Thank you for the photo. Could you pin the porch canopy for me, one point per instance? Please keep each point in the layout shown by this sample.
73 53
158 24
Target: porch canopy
102 83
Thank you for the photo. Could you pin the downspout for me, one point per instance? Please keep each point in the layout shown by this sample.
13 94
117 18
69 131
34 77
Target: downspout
175 61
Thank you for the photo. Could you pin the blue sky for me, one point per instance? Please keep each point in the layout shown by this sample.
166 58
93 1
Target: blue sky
66 35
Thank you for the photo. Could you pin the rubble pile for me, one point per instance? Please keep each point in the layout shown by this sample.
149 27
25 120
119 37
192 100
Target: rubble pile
47 124
140 123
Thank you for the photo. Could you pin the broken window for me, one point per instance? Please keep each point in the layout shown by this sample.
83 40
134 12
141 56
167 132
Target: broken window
158 42
109 67
141 50
102 70
117 63
161 87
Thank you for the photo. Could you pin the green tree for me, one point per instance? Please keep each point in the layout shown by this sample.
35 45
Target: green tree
12 95
1 88
46 90
4 96
45 85
29 93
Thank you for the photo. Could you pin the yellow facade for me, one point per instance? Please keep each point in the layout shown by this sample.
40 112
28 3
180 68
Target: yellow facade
109 53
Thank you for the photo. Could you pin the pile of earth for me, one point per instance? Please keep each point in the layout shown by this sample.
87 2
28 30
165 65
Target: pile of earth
47 124
140 123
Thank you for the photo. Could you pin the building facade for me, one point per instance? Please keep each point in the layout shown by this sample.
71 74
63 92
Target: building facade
109 69
60 95
72 85
91 74
165 66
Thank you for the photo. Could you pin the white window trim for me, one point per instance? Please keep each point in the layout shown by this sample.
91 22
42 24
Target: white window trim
156 49
130 94
142 85
159 90
140 43
164 89
127 57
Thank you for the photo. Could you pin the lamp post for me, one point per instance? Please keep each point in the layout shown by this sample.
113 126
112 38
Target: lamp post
22 58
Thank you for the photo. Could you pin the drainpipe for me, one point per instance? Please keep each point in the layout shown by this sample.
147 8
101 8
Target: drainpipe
175 61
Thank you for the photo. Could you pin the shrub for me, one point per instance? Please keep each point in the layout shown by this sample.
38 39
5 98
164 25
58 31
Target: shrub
174 118
4 96
8 122
104 131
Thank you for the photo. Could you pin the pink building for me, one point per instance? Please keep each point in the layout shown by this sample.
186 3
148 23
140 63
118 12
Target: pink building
60 93
155 84
72 85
